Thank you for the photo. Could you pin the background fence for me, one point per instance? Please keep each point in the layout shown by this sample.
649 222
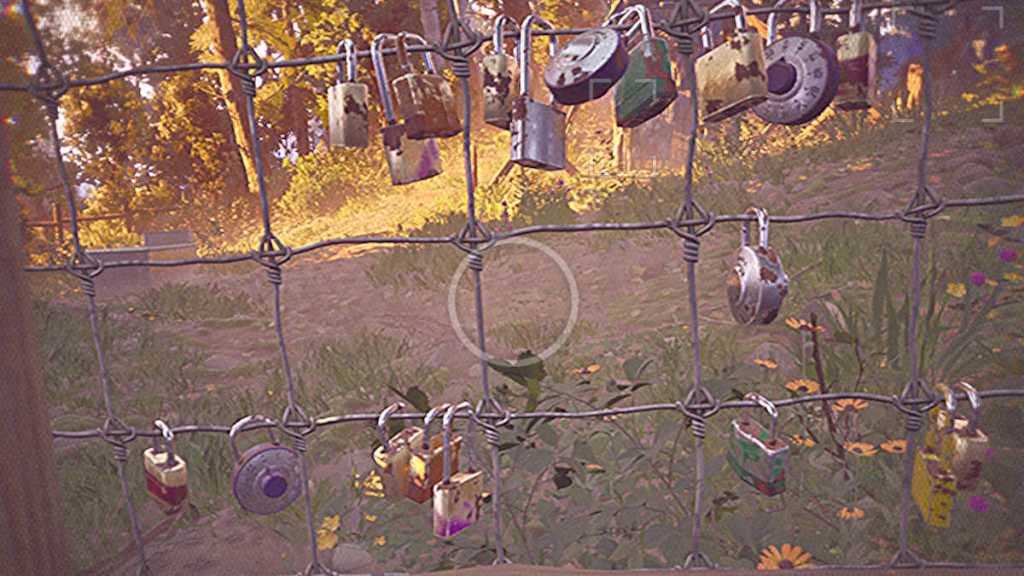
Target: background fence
689 223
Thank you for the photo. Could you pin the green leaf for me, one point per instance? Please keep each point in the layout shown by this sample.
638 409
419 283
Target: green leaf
523 370
537 460
417 398
635 366
615 400
547 434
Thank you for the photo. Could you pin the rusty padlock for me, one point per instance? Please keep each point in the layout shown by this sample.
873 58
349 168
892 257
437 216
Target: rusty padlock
587 67
803 74
967 444
267 477
426 102
731 76
426 467
538 130
756 454
932 483
347 115
408 160
497 68
166 473
857 53
757 284
457 498
647 87
391 458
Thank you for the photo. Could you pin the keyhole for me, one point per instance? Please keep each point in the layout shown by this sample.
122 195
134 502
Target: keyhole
781 77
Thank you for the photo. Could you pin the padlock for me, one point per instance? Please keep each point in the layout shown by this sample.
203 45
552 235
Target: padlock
758 455
932 483
166 472
647 87
538 130
856 53
731 76
587 67
961 438
458 497
347 115
757 285
391 458
267 477
408 160
803 74
426 467
426 102
497 70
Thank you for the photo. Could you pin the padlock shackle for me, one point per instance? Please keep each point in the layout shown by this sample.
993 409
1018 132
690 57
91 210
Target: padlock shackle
815 19
643 16
168 442
773 413
740 19
526 49
237 427
762 226
446 426
350 61
403 56
498 41
429 419
972 398
856 15
382 76
382 424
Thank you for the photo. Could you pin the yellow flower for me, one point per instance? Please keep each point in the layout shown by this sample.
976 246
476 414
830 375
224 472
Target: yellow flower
801 324
331 523
894 446
996 350
585 371
325 539
270 392
1013 277
850 513
371 517
1013 221
380 540
860 448
956 289
993 241
803 386
210 387
789 558
799 440
594 468
766 363
851 404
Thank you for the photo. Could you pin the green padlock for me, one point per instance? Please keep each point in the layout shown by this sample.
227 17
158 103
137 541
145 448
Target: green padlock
647 87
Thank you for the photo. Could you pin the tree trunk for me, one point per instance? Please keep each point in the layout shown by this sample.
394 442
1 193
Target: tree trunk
224 47
33 539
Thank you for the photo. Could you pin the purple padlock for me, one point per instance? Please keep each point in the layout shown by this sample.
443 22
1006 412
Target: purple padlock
267 477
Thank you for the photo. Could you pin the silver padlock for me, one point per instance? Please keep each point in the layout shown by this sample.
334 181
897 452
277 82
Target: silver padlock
497 70
347 115
408 160
267 477
757 284
538 130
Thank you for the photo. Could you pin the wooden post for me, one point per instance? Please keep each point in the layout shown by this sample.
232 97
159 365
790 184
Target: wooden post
32 540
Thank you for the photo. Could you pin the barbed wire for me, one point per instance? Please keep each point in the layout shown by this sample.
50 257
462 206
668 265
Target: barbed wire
691 221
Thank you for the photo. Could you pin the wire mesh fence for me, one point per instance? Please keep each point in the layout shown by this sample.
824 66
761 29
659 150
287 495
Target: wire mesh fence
690 223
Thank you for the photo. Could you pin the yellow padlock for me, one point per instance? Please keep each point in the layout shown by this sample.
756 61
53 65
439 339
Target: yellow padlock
459 495
426 466
731 77
391 458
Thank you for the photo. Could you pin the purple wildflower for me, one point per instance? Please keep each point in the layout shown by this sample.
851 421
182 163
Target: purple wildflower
978 503
1007 254
978 278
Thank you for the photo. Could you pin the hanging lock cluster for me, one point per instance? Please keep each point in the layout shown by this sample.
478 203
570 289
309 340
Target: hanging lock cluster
951 459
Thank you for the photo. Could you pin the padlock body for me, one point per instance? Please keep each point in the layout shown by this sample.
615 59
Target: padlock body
457 503
267 478
933 487
426 467
731 77
538 135
167 485
426 105
647 87
393 466
348 117
498 93
857 54
967 452
757 285
409 160
756 460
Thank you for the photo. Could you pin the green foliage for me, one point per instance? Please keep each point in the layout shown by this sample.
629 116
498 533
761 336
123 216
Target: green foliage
326 180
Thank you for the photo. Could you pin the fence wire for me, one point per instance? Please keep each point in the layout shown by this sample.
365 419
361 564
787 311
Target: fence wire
690 222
